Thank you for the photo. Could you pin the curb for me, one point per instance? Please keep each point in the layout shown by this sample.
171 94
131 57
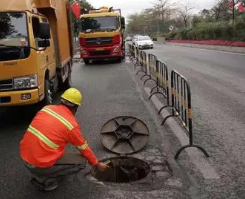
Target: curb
193 154
210 47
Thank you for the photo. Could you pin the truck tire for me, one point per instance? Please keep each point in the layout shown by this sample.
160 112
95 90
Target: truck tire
119 60
49 95
86 61
67 83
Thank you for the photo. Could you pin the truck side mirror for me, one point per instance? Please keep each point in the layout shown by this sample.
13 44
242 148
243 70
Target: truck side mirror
44 32
43 43
123 22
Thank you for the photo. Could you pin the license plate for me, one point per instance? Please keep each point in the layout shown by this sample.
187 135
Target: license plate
99 49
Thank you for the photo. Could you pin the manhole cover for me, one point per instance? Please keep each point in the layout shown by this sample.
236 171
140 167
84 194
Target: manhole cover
122 170
124 135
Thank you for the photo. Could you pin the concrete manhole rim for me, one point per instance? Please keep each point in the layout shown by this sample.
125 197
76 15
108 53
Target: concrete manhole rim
124 158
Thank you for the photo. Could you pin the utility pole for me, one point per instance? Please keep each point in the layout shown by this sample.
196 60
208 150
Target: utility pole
233 12
161 26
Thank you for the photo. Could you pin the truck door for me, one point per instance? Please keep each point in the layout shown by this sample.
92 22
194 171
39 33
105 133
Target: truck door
44 58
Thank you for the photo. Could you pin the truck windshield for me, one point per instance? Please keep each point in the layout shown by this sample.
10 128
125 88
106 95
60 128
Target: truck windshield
13 32
99 24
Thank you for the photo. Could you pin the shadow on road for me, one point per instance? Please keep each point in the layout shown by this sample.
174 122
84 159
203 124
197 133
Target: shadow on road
104 62
20 115
12 116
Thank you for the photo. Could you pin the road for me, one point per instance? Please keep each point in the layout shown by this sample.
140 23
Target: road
111 90
217 82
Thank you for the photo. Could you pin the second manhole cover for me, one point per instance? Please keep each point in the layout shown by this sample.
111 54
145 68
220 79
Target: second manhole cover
124 135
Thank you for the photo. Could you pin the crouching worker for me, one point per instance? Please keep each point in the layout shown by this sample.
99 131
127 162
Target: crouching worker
43 145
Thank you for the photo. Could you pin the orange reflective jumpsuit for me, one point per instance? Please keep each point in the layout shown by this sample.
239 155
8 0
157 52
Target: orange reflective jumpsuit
48 134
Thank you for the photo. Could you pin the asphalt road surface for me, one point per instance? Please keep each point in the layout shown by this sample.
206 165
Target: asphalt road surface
108 91
111 90
217 81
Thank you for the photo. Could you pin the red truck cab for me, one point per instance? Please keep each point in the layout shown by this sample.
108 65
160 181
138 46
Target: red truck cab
102 35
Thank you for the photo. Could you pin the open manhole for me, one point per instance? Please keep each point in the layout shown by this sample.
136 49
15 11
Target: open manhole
124 135
122 170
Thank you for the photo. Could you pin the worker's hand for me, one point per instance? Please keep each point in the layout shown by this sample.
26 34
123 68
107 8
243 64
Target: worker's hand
101 166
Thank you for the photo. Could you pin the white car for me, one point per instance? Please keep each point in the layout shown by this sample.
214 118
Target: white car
135 38
144 42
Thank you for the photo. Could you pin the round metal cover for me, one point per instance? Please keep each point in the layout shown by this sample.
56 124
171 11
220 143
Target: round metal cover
124 135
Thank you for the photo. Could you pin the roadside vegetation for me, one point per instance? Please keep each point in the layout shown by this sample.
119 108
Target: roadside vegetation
178 20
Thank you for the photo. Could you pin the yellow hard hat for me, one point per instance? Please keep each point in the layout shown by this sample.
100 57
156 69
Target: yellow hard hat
73 95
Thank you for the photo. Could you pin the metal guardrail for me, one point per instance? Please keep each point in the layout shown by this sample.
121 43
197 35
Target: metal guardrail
137 57
162 86
131 52
151 69
181 107
142 57
180 99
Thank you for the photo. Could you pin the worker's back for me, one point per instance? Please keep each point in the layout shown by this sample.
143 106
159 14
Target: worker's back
46 138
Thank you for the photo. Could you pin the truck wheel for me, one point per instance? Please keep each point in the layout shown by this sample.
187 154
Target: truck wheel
86 61
48 92
119 60
67 83
49 95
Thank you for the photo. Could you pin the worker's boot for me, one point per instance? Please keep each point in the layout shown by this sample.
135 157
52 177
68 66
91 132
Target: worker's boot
46 185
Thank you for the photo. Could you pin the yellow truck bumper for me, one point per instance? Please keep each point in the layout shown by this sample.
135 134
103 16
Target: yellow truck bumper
16 98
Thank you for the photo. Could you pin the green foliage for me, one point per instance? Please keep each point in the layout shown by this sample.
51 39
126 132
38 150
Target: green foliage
184 32
214 23
216 30
239 33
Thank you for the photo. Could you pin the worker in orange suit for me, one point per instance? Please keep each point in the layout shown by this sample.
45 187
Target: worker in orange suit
43 145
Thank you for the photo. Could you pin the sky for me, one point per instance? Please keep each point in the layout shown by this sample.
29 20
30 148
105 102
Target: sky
132 6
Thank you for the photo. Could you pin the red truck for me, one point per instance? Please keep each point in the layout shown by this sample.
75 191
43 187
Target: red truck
102 35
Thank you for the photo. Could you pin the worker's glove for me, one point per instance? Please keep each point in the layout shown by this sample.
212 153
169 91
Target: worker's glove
102 166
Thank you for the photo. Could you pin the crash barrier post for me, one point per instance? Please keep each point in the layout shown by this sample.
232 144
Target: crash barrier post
162 85
137 57
146 69
142 62
128 51
181 107
131 51
151 73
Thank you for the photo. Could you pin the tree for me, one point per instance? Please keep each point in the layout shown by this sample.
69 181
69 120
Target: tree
136 23
221 10
161 7
84 5
185 12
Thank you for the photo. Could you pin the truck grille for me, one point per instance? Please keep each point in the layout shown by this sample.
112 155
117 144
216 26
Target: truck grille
99 41
100 53
6 85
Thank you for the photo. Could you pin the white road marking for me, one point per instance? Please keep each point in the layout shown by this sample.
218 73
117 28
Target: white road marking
194 154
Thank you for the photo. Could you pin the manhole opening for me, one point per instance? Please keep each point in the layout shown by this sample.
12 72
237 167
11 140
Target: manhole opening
122 170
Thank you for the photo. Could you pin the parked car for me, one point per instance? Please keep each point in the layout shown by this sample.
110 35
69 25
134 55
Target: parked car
144 42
